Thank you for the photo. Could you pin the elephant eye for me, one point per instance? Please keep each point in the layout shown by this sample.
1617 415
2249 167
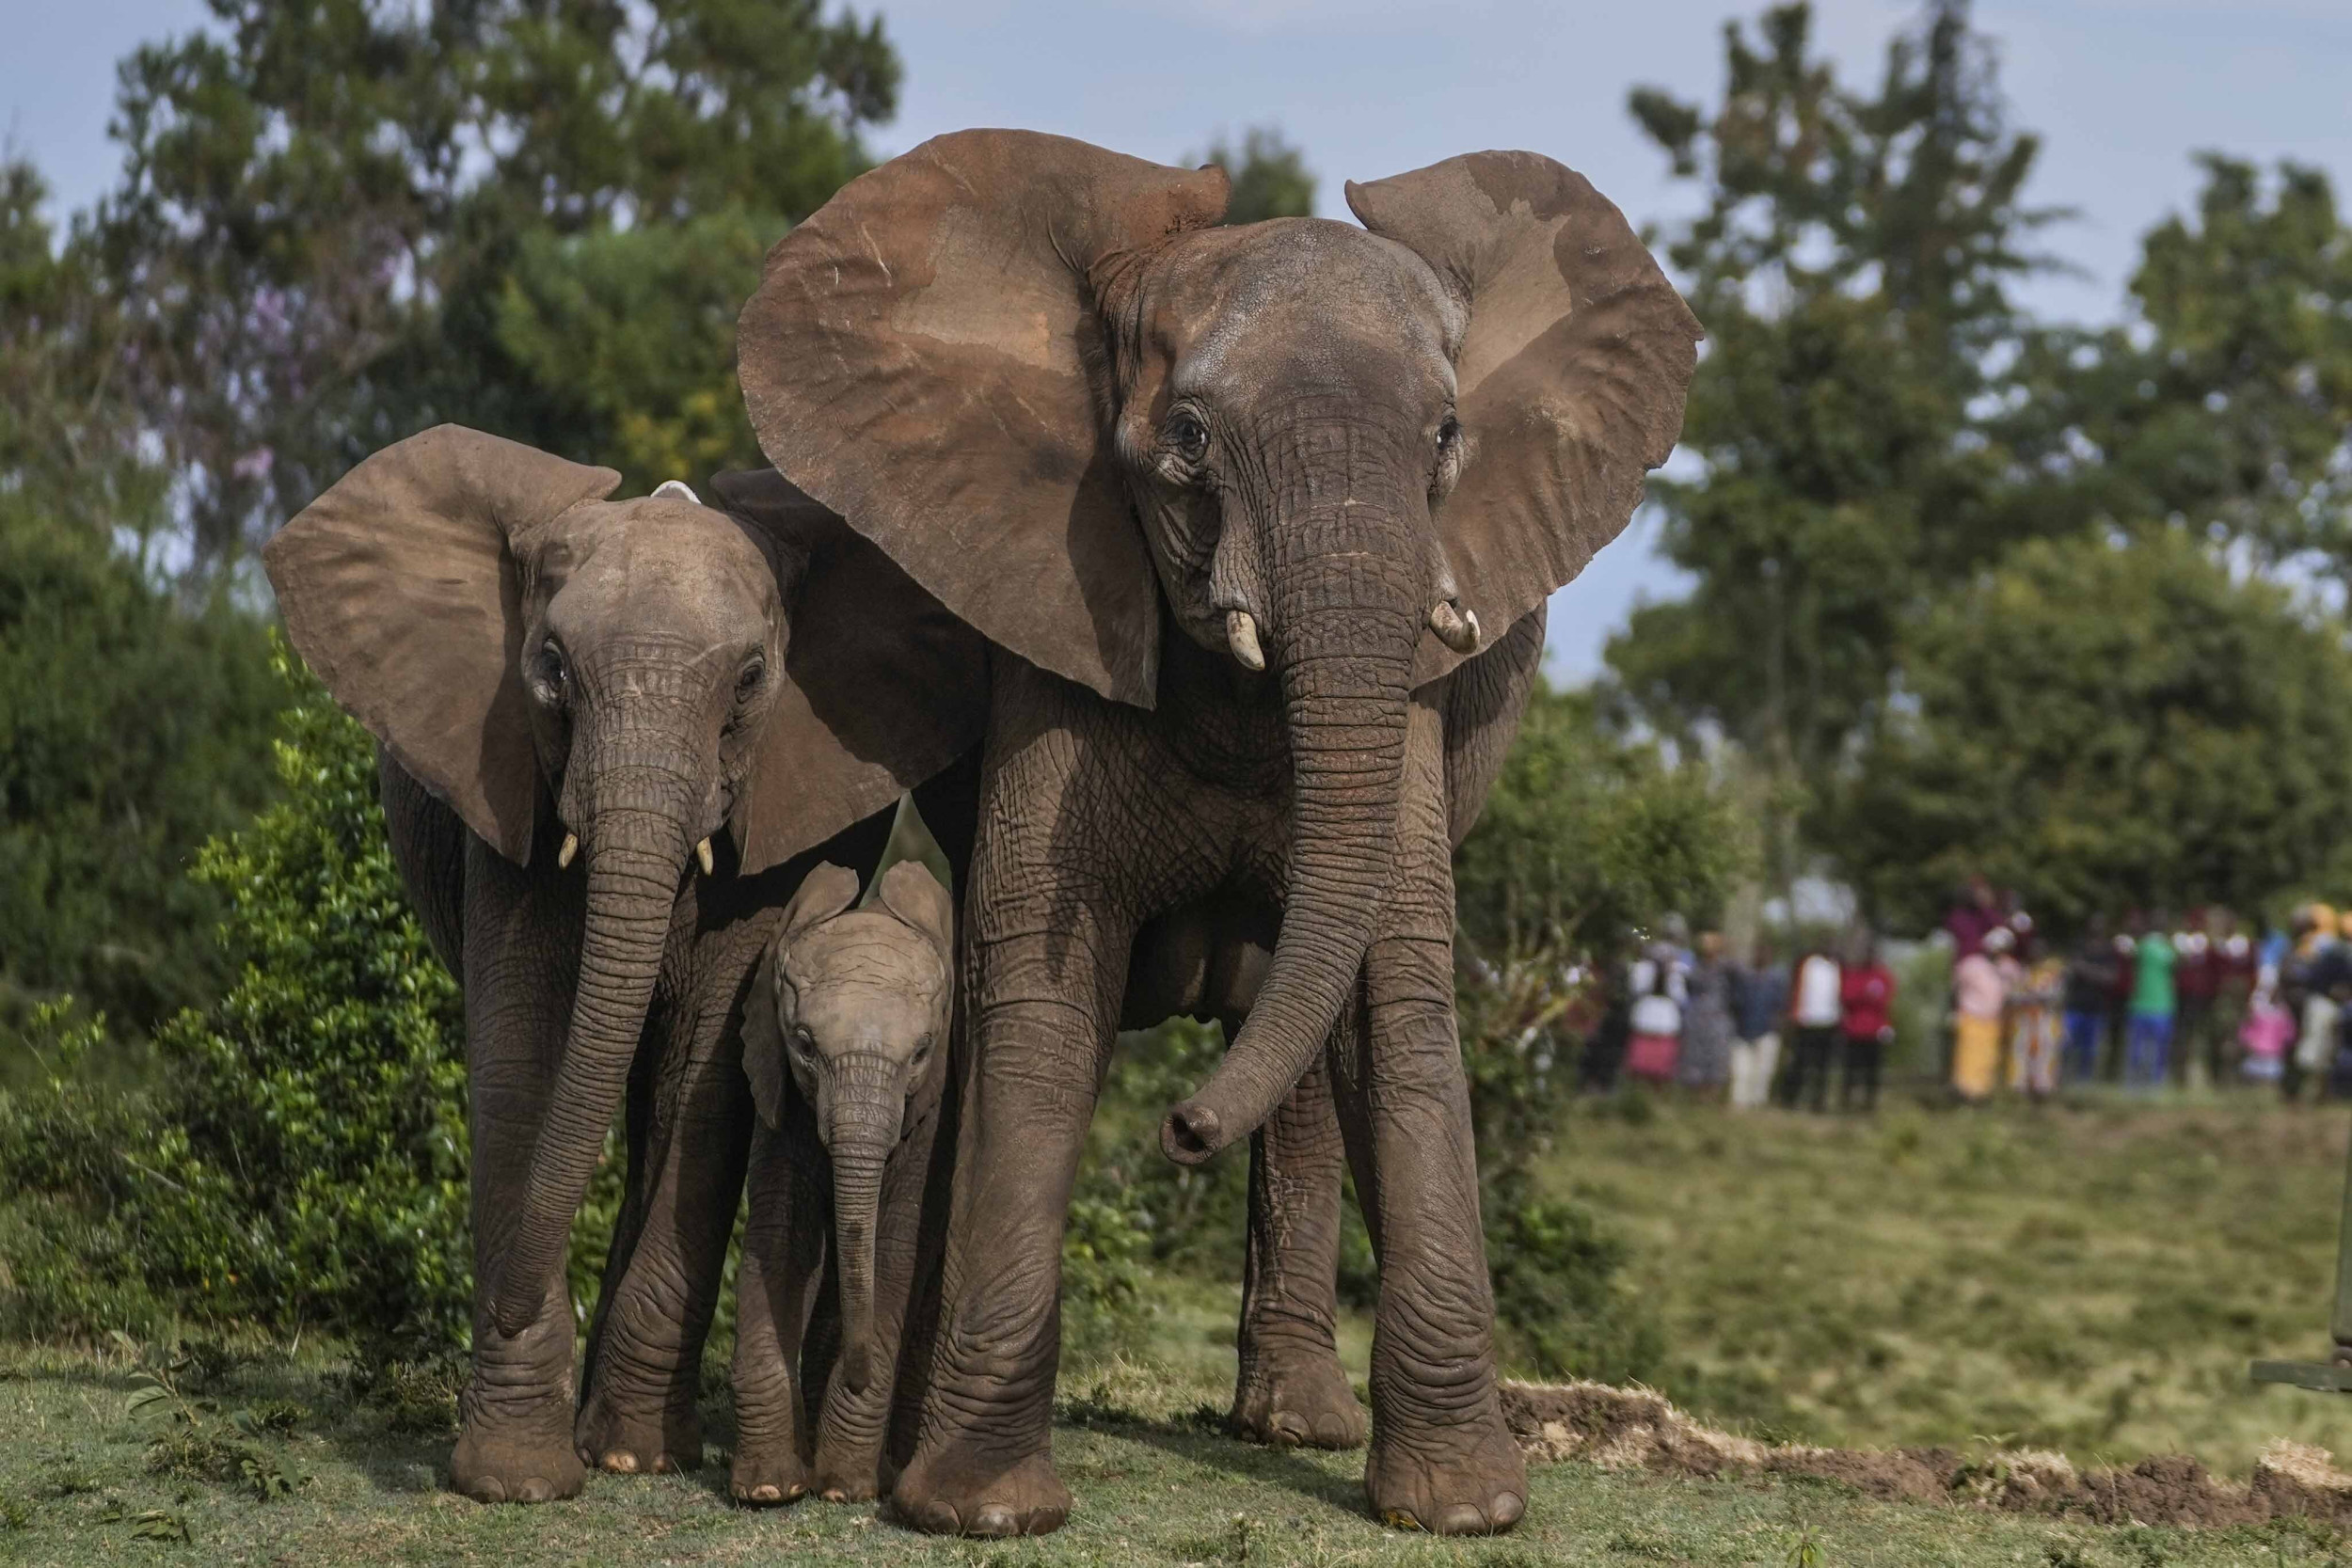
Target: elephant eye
1188 436
922 1051
1449 433
748 682
803 1041
554 669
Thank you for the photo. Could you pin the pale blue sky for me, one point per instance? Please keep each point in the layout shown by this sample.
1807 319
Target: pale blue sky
2123 91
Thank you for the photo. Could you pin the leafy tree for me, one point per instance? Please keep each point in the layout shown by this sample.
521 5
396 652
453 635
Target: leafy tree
321 207
1271 178
2105 728
1851 266
131 730
2226 405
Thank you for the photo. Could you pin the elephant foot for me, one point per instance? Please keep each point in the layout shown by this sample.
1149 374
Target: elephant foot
515 1466
1296 1396
626 1441
1459 1481
847 1478
767 1475
941 1495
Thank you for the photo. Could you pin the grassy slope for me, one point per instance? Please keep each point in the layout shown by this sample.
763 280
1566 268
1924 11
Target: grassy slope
1152 1490
2092 1278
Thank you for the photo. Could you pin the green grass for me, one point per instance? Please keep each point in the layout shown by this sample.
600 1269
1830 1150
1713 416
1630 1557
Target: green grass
2089 1277
2092 1278
77 1486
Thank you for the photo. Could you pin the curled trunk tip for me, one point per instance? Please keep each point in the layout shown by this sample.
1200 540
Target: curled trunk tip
1192 1134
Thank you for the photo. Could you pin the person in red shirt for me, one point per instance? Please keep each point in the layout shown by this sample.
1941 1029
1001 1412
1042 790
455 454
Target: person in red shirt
1867 998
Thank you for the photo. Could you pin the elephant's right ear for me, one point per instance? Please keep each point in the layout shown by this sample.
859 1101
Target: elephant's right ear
827 891
763 1042
400 591
909 891
922 356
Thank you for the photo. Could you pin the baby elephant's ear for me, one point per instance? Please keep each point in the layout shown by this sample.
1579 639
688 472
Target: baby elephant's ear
1570 379
763 1042
829 890
911 892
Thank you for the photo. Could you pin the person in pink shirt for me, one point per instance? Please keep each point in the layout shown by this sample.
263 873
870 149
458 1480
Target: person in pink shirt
1979 992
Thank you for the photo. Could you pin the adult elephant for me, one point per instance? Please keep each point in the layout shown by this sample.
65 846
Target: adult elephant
1227 502
581 704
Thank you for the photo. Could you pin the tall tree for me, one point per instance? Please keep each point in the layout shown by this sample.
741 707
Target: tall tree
1271 178
1852 266
322 205
2107 726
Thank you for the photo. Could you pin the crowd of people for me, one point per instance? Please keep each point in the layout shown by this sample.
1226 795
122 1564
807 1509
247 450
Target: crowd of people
2149 1001
2145 1002
1752 1032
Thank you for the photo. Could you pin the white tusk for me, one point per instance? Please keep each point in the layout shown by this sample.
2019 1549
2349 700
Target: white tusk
1241 635
678 488
702 853
571 848
1457 629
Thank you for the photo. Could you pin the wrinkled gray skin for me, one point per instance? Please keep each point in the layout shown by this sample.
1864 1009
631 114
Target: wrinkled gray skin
845 1038
624 967
1190 482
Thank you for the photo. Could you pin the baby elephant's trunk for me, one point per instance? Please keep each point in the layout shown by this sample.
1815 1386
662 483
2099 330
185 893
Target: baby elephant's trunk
864 1129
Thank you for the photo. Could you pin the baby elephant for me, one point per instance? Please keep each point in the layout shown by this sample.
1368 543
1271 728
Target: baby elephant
852 1005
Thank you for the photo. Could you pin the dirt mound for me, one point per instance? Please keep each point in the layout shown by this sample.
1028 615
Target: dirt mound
1632 1428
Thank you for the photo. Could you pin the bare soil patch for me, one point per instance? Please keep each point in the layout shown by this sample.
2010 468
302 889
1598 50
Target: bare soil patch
1632 1428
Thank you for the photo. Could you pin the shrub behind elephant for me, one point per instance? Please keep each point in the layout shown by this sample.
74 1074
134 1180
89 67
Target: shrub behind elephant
614 736
1240 500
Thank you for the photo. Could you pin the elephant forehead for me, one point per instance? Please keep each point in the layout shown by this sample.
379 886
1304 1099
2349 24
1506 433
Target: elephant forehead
1231 295
685 564
860 969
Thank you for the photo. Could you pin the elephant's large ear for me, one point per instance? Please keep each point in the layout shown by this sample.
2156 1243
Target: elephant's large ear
883 685
400 591
923 357
1570 377
763 1042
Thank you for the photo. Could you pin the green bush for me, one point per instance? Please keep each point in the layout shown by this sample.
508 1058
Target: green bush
299 1156
131 730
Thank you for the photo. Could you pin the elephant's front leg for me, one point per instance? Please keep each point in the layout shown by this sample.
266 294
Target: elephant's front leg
1441 1458
515 1419
775 1287
1291 1389
1043 975
639 1413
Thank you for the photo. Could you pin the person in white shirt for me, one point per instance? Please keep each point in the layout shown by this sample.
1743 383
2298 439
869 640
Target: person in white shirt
1816 1008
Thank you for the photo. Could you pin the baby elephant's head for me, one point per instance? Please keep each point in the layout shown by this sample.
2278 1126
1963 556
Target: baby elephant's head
853 1003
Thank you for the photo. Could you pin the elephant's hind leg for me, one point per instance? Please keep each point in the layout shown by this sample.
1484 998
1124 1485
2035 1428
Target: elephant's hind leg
1291 1389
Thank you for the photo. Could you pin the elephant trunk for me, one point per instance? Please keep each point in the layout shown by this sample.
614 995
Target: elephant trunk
1346 620
864 1127
637 844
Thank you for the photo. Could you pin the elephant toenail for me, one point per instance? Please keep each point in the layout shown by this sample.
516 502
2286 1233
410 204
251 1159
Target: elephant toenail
1461 1519
1331 1431
489 1489
835 1494
620 1461
995 1519
1286 1431
663 1464
536 1489
1507 1509
938 1517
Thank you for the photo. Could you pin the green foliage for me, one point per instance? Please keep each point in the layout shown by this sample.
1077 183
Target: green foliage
1562 1298
1589 836
1270 177
324 206
131 730
2106 728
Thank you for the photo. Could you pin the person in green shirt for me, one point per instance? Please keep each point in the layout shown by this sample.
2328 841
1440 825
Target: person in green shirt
2155 1001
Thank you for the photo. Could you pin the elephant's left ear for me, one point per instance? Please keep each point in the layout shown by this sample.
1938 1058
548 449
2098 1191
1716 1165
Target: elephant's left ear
909 891
1570 377
763 1042
883 687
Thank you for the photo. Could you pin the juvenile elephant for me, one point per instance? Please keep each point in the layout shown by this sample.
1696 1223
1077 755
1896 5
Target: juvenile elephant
581 705
845 1036
1233 505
